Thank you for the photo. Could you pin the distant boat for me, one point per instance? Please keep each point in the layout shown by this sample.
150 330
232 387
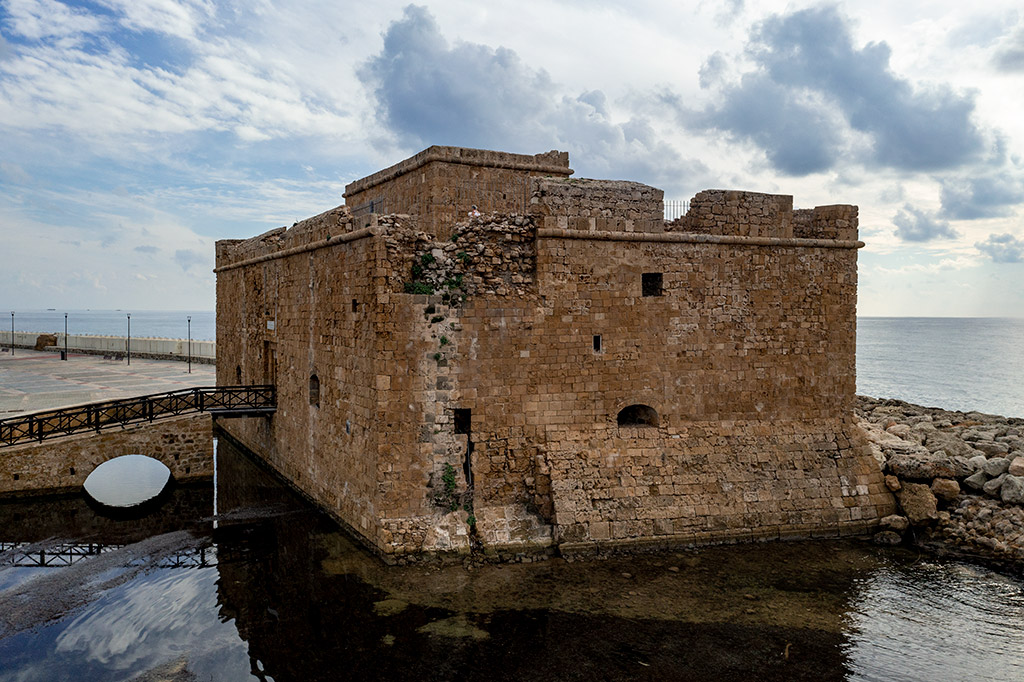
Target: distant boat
49 309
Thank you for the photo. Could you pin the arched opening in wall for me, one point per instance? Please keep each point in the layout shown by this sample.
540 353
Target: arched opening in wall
638 415
314 390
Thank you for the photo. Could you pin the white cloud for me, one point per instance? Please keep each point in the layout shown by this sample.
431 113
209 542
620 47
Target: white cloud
39 19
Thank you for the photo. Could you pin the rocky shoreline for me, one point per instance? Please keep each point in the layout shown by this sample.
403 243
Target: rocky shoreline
958 478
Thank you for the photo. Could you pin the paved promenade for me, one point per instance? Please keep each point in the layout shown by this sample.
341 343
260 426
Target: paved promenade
33 380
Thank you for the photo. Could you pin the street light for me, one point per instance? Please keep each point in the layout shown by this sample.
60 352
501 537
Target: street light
12 333
129 338
189 318
65 337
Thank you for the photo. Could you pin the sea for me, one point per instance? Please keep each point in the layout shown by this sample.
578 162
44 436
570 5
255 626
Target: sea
957 363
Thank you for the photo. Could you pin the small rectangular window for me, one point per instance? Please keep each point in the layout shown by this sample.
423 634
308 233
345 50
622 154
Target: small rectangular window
355 306
651 284
597 343
463 420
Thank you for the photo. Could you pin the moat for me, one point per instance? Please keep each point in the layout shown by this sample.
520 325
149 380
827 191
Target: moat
270 589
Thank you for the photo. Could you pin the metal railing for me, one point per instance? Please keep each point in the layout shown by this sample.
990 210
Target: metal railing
221 400
676 208
23 554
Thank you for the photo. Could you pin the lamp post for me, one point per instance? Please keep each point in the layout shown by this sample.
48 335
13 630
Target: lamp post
65 337
189 318
129 338
12 333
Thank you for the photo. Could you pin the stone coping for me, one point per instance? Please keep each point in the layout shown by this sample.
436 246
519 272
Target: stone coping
690 238
464 156
304 248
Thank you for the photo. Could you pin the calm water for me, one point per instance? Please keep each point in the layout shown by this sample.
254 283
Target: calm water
164 324
956 363
274 591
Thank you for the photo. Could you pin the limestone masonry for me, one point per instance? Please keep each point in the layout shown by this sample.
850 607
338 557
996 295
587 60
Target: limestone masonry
567 371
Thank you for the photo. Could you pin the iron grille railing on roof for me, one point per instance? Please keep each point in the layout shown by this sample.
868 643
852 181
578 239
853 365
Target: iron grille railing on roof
219 400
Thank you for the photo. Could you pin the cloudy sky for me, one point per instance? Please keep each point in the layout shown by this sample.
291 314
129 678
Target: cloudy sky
137 132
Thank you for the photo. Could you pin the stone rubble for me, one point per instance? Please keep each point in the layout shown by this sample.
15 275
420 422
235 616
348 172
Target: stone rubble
958 477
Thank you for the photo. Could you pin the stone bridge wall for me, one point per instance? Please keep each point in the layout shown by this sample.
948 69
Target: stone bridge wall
184 444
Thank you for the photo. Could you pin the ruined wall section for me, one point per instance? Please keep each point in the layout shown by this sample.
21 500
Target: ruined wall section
826 222
441 184
597 205
754 214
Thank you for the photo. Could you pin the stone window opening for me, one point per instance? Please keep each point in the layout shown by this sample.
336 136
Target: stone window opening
638 415
314 390
597 343
238 375
651 284
355 306
463 424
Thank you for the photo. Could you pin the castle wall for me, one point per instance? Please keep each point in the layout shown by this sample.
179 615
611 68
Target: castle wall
441 184
284 319
483 406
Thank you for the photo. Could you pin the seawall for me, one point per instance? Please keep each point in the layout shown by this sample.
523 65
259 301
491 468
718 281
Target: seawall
143 347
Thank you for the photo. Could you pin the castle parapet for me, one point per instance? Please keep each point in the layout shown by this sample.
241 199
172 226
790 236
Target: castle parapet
597 205
755 214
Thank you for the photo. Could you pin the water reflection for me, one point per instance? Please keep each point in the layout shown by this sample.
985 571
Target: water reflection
127 481
289 597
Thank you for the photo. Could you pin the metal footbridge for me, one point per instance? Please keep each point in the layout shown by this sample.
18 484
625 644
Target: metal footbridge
219 401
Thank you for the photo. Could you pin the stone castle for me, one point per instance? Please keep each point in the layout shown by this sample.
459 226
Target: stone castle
565 372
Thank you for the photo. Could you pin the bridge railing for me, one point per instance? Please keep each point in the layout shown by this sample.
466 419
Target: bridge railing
40 426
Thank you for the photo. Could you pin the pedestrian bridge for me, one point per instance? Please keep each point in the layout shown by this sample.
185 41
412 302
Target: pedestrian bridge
218 401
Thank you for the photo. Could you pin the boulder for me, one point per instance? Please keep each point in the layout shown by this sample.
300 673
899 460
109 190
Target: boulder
992 448
977 481
977 462
1016 467
45 340
948 441
992 487
887 537
928 465
1012 490
894 522
918 502
996 466
946 489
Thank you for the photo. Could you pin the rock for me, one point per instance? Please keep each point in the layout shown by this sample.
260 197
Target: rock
977 481
946 489
992 487
887 537
44 340
948 441
1016 467
927 465
894 522
996 466
1012 490
918 502
900 430
892 482
978 462
992 448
